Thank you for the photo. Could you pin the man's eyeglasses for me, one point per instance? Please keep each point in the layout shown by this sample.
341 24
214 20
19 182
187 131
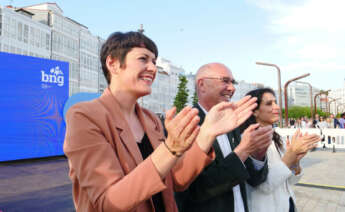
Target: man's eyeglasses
226 80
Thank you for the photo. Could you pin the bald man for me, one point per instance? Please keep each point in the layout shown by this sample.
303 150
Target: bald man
239 159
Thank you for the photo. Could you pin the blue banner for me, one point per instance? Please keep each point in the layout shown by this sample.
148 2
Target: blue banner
33 92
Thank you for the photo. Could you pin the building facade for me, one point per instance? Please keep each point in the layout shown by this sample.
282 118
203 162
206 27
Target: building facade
338 100
244 87
164 88
299 95
19 34
43 31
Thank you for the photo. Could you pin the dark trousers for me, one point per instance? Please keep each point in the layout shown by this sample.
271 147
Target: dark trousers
292 205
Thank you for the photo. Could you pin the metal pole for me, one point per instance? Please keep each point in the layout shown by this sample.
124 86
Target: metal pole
286 96
318 94
311 96
279 90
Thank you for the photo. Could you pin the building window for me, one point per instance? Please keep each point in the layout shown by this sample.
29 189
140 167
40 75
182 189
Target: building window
20 31
26 33
0 22
37 37
32 36
47 41
43 40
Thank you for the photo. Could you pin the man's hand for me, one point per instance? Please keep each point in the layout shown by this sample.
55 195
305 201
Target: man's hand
223 118
226 116
254 142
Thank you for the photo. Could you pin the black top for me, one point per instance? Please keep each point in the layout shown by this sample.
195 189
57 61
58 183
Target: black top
146 149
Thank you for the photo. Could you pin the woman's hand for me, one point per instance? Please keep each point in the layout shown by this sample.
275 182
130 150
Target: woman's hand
298 147
182 129
301 144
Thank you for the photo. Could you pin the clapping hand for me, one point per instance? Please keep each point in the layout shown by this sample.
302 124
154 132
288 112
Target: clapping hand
182 129
298 147
255 141
227 116
300 144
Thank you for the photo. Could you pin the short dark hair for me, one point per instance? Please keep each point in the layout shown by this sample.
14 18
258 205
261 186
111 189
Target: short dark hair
119 44
258 93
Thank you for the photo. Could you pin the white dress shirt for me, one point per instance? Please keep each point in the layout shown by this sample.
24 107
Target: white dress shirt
225 147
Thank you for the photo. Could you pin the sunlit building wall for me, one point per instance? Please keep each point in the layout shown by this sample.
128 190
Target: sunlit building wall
42 30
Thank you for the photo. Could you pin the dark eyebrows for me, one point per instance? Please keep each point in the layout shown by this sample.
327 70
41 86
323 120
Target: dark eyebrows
147 57
269 101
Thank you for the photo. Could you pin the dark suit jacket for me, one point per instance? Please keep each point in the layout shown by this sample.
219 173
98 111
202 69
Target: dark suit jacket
212 189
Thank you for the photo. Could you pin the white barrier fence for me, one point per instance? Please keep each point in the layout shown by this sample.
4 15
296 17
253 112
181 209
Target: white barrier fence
331 136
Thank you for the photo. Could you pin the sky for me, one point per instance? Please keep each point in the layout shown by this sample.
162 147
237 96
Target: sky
300 36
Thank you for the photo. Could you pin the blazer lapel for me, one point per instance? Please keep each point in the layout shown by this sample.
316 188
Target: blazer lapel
231 140
215 145
151 127
122 127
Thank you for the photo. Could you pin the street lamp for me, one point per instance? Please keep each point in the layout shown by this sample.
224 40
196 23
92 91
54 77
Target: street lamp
316 95
311 96
279 89
286 95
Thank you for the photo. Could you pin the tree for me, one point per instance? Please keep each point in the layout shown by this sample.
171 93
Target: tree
195 98
181 98
299 111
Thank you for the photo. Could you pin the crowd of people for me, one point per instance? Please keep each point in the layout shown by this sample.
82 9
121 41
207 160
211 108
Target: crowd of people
319 122
215 156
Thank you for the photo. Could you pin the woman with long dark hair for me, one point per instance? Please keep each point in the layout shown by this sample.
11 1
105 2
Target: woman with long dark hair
284 170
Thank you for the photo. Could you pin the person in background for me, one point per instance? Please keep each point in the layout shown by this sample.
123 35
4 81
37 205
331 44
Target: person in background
299 123
310 123
316 120
276 194
330 122
322 123
304 122
292 123
335 122
342 121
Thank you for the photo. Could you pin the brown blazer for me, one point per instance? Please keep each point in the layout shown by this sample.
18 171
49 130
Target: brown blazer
106 166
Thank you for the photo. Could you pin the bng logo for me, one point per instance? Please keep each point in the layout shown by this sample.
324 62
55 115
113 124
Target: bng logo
55 76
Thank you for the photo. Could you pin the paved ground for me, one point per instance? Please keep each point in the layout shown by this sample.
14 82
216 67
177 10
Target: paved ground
35 185
322 168
43 185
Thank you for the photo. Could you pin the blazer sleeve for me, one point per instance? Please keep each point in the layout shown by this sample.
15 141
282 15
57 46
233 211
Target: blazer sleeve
190 165
225 173
98 170
217 178
293 179
256 177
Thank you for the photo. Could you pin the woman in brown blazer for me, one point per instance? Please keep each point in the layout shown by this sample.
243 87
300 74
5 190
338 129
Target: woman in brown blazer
118 155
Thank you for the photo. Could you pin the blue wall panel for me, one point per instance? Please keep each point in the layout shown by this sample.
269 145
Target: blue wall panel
33 92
